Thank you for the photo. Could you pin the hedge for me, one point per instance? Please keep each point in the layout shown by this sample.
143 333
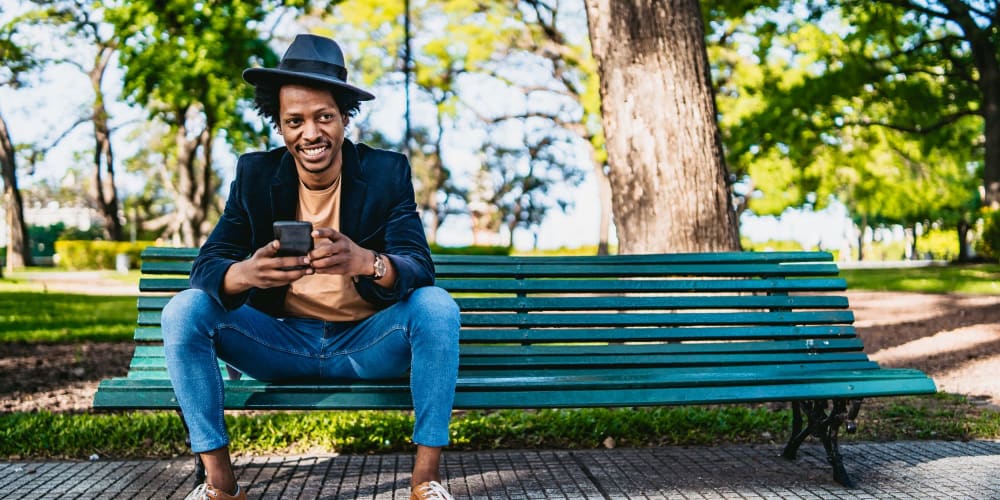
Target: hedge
97 254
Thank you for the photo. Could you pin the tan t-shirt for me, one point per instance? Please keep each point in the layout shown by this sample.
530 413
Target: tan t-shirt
325 296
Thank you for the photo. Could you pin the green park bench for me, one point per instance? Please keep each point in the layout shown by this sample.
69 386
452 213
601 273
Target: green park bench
598 331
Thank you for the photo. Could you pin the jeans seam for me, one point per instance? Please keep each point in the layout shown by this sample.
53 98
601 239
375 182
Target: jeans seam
389 331
254 338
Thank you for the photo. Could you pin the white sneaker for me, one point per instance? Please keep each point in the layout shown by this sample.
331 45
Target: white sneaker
431 490
205 492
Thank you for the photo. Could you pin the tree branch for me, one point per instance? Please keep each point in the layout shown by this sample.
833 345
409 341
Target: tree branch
916 129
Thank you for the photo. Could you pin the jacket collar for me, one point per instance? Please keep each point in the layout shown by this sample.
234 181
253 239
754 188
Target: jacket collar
353 190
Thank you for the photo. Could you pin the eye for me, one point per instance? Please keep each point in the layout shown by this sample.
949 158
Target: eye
327 117
292 122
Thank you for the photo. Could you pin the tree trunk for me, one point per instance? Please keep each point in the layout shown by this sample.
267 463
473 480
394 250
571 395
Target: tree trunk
18 246
991 161
437 178
861 239
987 62
963 240
604 196
192 188
668 176
104 170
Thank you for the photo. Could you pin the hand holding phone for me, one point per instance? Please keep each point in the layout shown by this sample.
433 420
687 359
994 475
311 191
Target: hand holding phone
295 239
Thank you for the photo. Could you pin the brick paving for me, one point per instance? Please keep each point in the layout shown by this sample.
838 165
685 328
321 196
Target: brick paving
913 469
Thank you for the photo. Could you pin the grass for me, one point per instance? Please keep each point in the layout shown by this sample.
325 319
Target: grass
160 434
965 278
28 316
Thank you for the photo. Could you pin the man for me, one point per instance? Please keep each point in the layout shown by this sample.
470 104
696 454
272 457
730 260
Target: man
360 305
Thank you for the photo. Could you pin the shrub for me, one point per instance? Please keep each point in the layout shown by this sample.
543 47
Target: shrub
989 244
97 254
470 250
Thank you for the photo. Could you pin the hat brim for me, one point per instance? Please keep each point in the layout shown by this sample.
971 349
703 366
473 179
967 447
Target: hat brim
257 76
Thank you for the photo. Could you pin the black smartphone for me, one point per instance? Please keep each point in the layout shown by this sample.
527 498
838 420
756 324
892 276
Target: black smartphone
295 237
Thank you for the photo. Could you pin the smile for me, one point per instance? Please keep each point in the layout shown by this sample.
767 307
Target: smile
314 150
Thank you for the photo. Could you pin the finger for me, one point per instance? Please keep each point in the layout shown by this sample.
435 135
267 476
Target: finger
328 260
290 263
326 233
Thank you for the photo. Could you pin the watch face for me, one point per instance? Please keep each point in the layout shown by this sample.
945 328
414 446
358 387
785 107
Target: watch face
379 266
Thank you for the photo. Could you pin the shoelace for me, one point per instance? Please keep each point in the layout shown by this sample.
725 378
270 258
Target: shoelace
199 493
433 491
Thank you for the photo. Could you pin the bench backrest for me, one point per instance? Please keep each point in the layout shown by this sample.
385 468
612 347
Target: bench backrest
614 312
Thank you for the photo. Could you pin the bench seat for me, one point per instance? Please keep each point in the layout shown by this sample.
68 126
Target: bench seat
608 331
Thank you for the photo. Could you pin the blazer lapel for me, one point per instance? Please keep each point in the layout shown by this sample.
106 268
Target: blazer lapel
285 190
353 191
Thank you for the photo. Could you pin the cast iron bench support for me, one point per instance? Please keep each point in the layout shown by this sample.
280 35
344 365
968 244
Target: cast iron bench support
824 426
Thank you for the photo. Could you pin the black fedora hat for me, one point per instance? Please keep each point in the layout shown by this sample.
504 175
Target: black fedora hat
309 59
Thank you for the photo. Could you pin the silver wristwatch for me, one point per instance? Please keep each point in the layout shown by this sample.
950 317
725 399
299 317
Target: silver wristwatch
379 266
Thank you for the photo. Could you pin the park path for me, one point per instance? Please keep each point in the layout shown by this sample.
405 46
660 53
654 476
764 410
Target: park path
86 282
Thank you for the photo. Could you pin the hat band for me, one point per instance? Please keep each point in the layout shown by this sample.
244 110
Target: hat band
310 66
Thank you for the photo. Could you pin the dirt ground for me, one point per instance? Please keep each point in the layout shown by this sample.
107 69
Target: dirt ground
954 338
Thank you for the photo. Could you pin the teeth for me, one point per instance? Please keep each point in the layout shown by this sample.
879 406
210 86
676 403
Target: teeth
314 151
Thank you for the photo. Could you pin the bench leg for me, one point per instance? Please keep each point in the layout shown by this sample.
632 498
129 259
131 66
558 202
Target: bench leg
826 427
199 467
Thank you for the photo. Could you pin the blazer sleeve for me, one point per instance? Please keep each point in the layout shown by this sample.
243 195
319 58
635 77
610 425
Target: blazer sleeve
405 243
230 242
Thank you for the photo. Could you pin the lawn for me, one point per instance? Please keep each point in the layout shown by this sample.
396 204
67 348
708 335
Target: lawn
160 433
30 316
966 278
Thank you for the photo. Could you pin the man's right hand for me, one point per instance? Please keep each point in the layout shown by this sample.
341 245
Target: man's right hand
264 270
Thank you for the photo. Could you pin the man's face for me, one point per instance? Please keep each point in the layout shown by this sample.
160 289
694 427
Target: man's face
313 129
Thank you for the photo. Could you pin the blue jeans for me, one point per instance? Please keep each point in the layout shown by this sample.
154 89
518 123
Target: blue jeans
419 333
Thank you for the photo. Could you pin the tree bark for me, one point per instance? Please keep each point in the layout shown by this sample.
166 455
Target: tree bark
106 193
985 51
964 253
191 183
18 249
604 196
668 176
989 83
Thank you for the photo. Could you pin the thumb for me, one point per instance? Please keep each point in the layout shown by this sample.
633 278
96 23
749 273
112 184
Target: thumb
269 250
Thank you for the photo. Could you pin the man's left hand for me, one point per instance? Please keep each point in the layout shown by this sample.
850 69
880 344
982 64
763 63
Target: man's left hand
335 253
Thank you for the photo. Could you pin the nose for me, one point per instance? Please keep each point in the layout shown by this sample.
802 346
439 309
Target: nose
310 130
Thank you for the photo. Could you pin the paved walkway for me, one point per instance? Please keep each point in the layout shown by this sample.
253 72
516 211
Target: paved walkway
924 469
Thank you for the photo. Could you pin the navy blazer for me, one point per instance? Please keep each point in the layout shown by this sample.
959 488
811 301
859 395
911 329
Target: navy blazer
377 211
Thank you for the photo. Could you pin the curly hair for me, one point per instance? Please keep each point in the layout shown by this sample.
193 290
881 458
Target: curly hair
267 104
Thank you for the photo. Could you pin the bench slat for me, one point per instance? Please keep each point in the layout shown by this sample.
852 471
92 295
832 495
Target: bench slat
635 270
660 302
661 360
501 286
543 320
519 393
188 254
634 319
152 368
596 349
663 258
548 335
618 302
